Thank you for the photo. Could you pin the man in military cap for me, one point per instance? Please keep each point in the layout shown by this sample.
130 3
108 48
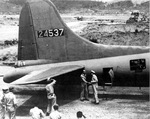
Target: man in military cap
50 95
94 83
5 90
9 103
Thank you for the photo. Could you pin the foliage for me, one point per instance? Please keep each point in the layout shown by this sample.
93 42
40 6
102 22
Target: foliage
98 34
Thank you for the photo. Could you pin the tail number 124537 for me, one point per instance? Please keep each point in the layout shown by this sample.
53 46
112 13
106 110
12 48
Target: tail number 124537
50 33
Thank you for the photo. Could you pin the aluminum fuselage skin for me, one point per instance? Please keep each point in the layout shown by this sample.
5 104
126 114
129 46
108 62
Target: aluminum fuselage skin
120 65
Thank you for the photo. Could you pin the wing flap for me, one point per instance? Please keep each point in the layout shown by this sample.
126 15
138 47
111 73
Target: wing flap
41 75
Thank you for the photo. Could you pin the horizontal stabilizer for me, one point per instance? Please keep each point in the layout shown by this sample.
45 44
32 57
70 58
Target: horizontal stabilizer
41 75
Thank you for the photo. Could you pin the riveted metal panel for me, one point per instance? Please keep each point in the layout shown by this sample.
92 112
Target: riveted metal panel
45 18
27 47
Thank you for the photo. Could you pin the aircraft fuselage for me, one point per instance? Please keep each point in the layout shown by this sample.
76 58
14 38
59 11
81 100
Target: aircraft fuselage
121 66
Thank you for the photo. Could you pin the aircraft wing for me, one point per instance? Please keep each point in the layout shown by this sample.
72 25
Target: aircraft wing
41 75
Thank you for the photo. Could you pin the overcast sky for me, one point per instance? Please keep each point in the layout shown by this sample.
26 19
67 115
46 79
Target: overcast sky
134 1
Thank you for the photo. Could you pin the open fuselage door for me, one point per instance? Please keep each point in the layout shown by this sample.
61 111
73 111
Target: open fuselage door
108 76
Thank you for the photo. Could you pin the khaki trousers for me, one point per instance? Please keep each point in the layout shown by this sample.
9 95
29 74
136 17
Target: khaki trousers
51 103
84 91
95 87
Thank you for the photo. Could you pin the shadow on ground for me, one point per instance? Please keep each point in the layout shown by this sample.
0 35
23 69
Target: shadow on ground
64 96
123 96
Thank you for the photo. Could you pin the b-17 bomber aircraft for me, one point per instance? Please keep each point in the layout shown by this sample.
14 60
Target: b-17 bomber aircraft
48 48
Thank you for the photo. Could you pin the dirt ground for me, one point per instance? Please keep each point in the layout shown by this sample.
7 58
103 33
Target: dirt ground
112 105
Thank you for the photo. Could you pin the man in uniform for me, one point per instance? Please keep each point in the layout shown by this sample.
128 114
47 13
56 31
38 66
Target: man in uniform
50 95
84 88
2 109
36 113
9 103
94 83
55 114
2 103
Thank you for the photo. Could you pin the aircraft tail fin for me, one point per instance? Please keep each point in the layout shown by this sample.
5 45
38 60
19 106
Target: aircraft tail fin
44 35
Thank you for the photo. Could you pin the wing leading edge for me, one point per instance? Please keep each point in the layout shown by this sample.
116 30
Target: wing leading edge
41 75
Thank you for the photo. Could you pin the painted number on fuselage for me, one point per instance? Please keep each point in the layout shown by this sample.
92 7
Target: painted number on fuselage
137 64
50 33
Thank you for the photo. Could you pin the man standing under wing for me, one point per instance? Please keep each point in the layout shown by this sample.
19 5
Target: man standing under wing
94 83
50 95
84 88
